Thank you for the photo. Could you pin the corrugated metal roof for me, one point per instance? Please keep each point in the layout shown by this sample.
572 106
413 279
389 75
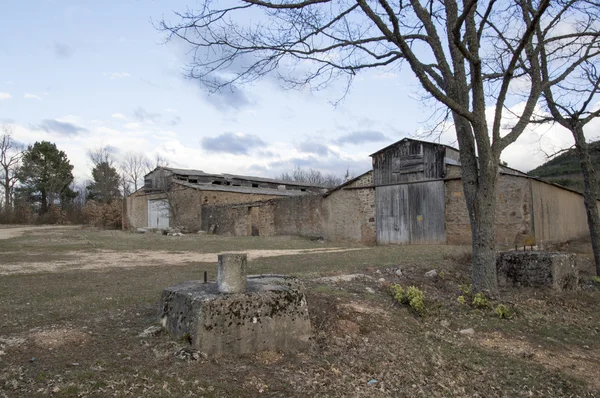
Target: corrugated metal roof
192 172
249 190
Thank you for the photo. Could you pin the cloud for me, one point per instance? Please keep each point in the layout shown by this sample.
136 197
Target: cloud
63 128
313 147
228 98
119 116
133 126
32 96
61 50
237 144
116 75
170 110
144 116
175 121
361 137
5 96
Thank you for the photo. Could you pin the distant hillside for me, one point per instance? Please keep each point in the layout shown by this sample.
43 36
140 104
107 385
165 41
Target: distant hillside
565 170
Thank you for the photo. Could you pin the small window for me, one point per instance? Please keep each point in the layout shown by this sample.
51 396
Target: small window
193 181
217 182
254 185
303 189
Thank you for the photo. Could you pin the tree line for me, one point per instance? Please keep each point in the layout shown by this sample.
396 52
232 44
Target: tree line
38 185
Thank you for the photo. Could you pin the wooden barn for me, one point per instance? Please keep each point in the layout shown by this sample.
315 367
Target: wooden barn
419 200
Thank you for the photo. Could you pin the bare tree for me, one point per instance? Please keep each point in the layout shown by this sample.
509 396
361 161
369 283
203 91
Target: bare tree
571 93
11 153
102 154
160 161
465 54
312 177
133 168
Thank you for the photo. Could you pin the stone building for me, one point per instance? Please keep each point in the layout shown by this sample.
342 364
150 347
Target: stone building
413 195
174 197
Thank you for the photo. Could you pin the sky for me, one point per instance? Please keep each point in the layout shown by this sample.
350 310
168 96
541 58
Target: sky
85 74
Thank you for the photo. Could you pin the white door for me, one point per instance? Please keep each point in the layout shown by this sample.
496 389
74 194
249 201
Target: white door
158 214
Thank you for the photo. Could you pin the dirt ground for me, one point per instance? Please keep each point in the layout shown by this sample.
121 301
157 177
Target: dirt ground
73 302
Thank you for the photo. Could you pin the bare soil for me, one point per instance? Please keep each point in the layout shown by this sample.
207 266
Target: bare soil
74 301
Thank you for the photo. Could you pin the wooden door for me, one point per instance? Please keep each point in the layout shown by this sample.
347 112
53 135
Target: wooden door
411 213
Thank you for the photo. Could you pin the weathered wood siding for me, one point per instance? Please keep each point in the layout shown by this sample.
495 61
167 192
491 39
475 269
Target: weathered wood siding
411 213
408 161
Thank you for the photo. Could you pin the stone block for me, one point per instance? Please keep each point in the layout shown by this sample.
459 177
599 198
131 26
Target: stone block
537 269
272 314
231 272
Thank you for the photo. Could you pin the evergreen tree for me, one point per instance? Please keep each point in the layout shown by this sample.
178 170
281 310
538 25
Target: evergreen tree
46 175
105 186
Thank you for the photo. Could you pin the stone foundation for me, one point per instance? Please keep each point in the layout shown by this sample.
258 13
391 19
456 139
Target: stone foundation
537 269
271 314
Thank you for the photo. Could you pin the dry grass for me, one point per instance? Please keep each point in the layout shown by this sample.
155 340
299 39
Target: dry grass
74 331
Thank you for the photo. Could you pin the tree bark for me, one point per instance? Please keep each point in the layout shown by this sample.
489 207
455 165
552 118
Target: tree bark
589 192
44 206
482 227
6 186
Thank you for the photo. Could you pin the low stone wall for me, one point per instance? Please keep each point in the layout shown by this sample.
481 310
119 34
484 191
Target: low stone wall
537 269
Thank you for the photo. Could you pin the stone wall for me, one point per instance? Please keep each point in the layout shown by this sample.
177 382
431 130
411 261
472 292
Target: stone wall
345 215
297 215
514 224
559 214
188 202
351 212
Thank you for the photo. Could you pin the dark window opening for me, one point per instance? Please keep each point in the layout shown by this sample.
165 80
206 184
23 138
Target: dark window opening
217 182
254 185
194 181
303 189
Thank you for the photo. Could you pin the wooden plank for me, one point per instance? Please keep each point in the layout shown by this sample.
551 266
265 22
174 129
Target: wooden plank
392 224
427 213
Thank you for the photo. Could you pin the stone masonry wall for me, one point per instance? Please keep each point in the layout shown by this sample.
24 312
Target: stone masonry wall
297 215
351 213
346 215
188 201
513 213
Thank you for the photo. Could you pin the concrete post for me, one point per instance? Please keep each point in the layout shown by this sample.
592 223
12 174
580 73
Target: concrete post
231 273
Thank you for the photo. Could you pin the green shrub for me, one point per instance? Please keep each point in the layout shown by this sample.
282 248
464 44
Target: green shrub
480 301
415 300
461 299
466 289
413 297
596 279
503 311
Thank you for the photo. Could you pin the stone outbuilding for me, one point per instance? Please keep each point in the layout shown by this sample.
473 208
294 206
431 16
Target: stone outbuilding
174 197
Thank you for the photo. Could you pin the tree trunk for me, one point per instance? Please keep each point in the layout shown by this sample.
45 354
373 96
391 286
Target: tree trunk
484 273
44 206
479 179
7 190
589 192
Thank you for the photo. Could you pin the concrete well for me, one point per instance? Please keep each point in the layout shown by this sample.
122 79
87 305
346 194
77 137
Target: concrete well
537 269
271 314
